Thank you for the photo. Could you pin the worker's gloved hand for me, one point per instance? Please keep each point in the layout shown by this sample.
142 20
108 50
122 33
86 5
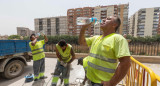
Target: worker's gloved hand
63 63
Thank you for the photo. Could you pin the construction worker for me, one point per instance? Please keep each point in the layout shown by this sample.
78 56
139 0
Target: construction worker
83 61
105 52
38 56
65 56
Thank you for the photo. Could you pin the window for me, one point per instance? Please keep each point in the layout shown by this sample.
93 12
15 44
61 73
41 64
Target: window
156 13
40 22
70 26
155 20
48 22
156 17
141 27
155 26
78 26
143 11
79 13
142 17
78 10
71 14
155 23
156 10
125 22
86 15
70 10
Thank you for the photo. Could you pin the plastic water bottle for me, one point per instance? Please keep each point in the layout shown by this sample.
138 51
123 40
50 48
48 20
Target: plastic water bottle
40 33
86 20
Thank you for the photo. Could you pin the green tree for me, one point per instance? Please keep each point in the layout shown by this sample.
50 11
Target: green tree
14 37
26 38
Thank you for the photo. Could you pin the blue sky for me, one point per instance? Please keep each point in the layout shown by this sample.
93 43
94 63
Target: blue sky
21 13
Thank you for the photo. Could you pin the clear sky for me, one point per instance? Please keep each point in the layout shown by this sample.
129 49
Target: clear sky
21 13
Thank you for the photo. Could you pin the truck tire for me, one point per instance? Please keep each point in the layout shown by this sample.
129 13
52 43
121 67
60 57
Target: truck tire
13 69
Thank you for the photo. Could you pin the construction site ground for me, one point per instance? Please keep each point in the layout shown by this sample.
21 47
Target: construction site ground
76 72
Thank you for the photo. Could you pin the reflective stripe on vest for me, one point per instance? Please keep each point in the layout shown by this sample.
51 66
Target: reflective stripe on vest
37 53
37 49
103 58
85 68
101 68
65 58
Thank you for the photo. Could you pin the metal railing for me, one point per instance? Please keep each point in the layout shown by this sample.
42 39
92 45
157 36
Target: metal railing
140 75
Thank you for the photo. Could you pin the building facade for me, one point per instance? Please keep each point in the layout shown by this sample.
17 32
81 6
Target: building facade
145 22
23 31
72 15
100 12
4 37
51 26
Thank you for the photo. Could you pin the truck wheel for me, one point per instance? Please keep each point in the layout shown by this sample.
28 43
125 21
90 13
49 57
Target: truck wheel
13 69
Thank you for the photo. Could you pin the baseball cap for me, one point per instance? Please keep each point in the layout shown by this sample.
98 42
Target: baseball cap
80 60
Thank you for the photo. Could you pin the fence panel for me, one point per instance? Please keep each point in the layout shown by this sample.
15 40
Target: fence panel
140 75
148 49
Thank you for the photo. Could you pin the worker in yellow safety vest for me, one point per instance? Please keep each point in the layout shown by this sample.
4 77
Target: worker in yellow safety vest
83 61
106 51
65 56
38 56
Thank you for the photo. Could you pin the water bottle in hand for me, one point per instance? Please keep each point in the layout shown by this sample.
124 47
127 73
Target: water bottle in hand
85 20
38 34
42 33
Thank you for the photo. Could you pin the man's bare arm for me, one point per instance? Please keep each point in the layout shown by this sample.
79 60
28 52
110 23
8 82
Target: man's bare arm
73 56
82 40
120 73
46 39
34 42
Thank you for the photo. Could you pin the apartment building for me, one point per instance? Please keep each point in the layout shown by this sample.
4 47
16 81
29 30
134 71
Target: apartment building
72 15
52 26
100 12
145 22
4 37
23 31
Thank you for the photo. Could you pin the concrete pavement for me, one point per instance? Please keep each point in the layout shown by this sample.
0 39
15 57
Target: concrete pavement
76 72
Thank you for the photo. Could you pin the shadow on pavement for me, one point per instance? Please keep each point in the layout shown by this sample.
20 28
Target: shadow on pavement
39 83
6 82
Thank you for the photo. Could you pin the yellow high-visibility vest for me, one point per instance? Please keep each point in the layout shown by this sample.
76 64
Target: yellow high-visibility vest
103 57
85 65
37 50
66 55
